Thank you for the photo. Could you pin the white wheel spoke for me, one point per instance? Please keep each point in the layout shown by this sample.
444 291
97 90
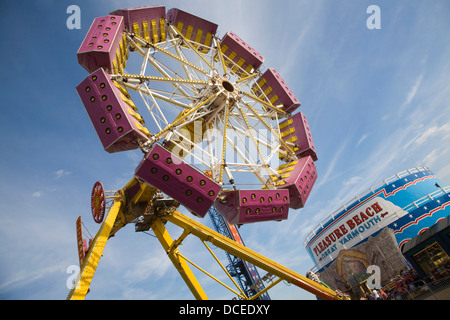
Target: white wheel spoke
186 87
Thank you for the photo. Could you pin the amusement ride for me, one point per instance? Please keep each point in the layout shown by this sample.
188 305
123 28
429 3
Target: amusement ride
220 136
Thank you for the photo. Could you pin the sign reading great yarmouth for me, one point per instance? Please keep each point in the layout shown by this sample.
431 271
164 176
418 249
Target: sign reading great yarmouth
364 220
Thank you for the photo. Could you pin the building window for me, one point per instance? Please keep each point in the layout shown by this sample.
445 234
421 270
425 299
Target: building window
434 261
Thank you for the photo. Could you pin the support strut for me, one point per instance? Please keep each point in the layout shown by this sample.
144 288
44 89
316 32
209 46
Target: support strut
157 221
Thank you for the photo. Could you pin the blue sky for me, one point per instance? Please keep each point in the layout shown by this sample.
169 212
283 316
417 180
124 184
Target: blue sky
377 101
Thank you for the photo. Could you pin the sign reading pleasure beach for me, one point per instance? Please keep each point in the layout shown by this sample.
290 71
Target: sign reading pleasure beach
356 225
409 203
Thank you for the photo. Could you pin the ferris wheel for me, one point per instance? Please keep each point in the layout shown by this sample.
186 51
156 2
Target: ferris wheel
215 128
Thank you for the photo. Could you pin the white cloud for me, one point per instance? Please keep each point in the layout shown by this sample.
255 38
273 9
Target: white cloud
24 277
37 194
364 137
326 176
62 173
353 180
412 93
433 131
414 89
431 158
155 265
291 57
444 174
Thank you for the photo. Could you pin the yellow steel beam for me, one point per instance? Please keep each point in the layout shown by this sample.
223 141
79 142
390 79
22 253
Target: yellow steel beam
225 127
189 226
256 143
163 79
280 139
240 251
186 41
89 266
178 261
211 276
142 43
219 51
248 77
270 286
183 118
185 62
242 295
263 102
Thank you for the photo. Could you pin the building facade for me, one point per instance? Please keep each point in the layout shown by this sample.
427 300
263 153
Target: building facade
372 228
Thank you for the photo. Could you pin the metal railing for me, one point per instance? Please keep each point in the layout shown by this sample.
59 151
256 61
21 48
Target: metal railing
416 204
424 289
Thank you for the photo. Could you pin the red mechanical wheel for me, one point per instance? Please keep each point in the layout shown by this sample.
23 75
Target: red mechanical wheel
98 202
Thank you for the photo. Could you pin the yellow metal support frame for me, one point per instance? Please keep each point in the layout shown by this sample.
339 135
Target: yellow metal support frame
122 212
178 260
246 254
89 266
